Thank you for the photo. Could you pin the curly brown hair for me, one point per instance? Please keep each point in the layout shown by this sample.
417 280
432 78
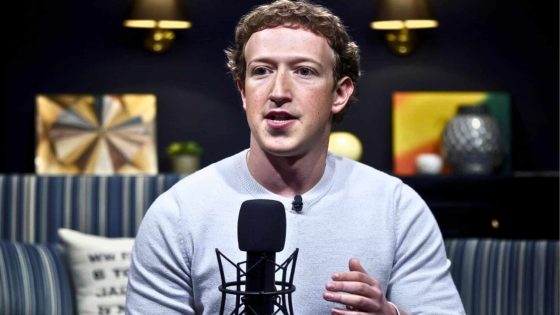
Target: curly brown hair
302 13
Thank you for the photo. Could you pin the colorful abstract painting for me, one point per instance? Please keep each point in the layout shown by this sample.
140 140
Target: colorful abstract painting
96 134
419 119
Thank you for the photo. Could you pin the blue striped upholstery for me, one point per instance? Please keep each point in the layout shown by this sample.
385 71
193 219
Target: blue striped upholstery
506 276
33 207
33 280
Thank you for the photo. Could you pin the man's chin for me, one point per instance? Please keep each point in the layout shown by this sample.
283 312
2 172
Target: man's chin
283 151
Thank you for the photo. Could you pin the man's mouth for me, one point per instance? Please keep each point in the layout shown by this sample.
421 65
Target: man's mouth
279 116
279 121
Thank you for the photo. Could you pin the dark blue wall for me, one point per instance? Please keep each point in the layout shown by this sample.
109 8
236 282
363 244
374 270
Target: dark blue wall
76 46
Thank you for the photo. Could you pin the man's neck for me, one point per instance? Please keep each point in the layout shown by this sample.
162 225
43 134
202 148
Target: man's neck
286 176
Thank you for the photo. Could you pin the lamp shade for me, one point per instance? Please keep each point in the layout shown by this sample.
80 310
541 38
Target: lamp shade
165 14
398 14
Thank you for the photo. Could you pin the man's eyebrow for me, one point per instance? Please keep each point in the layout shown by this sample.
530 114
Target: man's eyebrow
289 60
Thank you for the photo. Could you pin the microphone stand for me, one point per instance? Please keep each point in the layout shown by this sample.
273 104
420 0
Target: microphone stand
281 295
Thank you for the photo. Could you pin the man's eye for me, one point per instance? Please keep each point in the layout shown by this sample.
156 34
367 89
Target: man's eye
305 71
260 71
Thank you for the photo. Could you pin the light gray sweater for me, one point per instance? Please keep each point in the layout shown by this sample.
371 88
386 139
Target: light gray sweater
353 211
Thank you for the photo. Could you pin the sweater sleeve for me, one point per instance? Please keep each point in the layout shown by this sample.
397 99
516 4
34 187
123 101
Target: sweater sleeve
159 280
421 282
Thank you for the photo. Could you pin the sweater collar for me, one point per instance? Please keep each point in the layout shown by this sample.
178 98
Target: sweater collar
257 191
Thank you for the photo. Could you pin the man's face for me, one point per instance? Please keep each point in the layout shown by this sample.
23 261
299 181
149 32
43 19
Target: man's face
288 94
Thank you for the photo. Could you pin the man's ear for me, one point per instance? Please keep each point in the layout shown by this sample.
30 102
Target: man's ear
342 93
241 89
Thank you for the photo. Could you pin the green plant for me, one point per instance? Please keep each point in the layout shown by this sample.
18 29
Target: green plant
184 147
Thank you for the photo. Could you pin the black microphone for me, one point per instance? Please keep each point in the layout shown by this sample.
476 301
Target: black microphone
297 204
261 232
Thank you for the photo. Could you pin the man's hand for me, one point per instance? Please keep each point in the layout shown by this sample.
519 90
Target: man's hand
356 289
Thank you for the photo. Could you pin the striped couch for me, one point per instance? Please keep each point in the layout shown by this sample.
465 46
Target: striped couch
493 276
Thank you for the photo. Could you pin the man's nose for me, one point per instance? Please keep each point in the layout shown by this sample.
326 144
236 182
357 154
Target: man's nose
282 88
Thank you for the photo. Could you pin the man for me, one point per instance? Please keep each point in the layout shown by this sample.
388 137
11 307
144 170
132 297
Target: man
367 243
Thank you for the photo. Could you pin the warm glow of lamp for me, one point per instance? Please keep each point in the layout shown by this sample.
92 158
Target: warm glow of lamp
345 144
398 18
161 17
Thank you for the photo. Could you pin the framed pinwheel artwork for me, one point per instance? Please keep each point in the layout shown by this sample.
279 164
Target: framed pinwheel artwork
95 134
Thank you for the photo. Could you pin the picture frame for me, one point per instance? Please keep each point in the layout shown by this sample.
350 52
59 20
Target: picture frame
99 134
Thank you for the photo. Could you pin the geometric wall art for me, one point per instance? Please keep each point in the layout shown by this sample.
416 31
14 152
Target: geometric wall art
419 119
100 134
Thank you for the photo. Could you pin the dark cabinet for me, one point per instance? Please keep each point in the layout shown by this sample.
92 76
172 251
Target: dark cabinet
521 207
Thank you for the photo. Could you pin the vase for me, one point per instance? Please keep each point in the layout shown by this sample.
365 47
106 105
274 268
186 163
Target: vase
185 163
472 141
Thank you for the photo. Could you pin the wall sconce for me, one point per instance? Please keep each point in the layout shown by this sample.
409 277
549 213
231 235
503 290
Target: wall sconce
161 17
398 18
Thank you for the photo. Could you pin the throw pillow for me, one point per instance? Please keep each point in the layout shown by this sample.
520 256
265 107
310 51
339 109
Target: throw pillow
99 268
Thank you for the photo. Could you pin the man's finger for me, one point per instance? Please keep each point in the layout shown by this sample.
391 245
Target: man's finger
355 265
